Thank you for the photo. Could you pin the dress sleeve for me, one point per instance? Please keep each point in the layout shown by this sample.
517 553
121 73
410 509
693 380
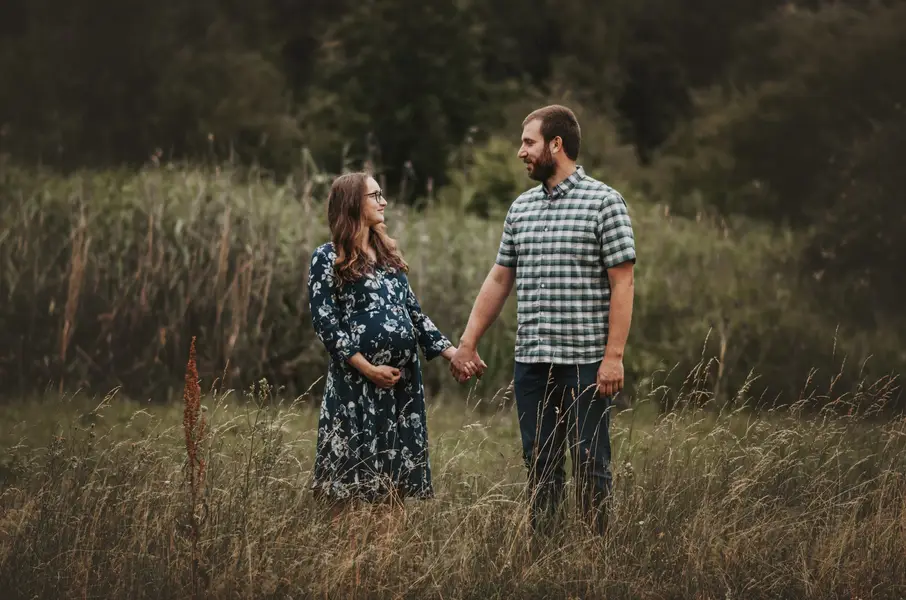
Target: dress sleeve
432 341
325 314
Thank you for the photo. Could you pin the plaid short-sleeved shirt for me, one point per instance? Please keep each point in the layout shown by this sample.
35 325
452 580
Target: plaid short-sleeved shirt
561 245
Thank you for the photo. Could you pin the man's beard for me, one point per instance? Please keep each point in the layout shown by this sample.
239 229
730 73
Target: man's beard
543 168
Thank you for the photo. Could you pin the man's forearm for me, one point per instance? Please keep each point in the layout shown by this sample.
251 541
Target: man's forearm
487 307
620 318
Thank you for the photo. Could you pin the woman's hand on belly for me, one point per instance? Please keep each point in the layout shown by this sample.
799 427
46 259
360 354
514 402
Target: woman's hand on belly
384 376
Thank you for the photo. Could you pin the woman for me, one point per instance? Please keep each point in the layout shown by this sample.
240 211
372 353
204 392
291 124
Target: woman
372 434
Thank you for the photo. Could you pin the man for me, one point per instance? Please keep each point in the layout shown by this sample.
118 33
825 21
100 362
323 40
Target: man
568 246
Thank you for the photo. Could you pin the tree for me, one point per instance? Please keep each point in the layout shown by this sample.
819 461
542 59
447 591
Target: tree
104 82
814 141
857 249
774 148
401 82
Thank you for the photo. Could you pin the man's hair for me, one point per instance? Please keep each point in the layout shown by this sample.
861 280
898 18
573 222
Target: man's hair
559 121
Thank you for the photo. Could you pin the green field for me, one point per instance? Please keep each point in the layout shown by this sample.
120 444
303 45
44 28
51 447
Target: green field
759 449
708 504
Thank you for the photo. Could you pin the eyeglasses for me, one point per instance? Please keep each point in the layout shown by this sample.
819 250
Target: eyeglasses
378 195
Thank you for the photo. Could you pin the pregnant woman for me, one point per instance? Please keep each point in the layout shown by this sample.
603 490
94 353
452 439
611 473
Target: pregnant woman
372 434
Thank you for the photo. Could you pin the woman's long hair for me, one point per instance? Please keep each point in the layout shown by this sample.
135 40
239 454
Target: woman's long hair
344 215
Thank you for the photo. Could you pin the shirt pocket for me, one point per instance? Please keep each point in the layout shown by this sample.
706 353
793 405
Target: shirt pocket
584 248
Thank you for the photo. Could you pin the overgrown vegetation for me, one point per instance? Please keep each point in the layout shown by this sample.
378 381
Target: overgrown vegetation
105 501
107 276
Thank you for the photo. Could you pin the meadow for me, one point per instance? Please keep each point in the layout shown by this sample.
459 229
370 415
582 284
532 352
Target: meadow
759 448
208 498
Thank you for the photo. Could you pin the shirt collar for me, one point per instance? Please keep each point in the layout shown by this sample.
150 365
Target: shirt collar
562 188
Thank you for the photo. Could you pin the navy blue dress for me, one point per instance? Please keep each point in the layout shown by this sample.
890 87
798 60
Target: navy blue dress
371 441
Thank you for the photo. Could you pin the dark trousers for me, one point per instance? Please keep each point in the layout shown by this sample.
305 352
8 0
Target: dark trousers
556 403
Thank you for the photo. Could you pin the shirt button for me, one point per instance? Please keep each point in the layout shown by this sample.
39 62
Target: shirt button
545 229
542 285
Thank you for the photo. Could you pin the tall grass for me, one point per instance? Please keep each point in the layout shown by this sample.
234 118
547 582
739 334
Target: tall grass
708 504
105 277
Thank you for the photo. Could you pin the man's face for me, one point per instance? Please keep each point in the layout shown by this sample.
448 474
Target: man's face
539 163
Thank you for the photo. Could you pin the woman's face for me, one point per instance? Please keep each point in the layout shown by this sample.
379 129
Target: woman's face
373 204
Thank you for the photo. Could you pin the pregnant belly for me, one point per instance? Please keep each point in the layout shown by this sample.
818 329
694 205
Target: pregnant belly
386 337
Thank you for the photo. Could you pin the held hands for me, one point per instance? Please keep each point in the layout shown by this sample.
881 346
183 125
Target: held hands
610 376
465 363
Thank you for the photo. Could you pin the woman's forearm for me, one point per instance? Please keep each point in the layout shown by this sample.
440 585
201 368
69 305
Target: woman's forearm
360 363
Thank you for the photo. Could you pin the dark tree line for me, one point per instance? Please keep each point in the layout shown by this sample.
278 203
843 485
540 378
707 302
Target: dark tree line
791 112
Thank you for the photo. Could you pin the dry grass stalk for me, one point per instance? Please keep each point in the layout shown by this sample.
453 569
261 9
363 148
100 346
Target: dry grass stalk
77 262
240 296
223 256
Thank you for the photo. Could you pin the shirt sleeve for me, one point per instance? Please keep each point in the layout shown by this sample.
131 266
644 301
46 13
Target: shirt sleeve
432 341
325 314
615 232
506 253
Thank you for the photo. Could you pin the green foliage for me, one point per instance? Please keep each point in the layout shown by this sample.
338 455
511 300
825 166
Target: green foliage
486 176
216 90
113 90
809 141
489 180
395 80
401 83
107 276
857 248
773 148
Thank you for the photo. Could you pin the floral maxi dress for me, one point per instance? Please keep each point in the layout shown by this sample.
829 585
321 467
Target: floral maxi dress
371 441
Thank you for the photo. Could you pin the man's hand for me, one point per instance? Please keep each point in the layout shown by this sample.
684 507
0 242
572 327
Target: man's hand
467 372
466 363
610 376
